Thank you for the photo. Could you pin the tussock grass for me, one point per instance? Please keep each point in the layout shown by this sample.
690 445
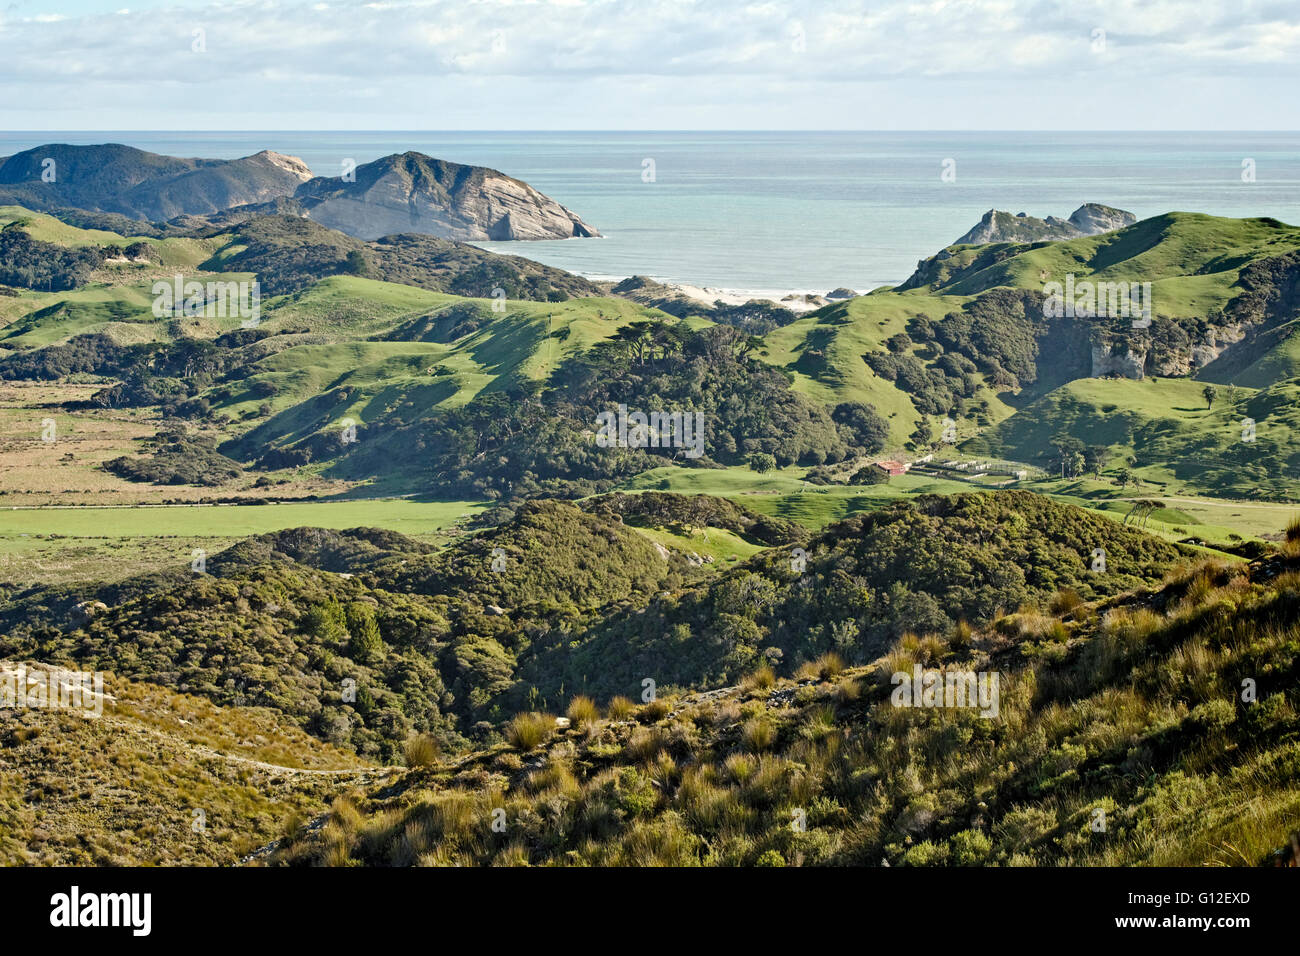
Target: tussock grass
529 731
422 751
620 708
582 713
760 679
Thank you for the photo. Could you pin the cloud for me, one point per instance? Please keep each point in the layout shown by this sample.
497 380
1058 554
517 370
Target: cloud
403 60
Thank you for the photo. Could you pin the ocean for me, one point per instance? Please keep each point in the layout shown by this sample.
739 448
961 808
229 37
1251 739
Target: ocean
804 212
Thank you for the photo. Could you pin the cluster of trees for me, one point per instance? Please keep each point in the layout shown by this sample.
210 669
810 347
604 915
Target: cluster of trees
693 512
1074 459
32 264
561 600
996 332
748 406
178 458
415 641
937 388
755 317
524 441
919 566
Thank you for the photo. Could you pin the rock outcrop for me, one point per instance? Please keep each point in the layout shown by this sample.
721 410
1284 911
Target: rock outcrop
399 194
1106 361
1090 219
412 192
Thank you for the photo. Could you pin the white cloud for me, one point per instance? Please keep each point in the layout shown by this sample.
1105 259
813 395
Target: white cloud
574 64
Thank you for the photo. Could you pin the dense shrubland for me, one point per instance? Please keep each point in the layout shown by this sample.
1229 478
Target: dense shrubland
1122 739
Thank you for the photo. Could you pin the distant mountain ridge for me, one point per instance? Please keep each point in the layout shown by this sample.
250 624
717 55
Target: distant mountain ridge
1090 219
402 193
121 179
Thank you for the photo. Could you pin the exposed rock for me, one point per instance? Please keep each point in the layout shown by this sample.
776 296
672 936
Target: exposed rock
412 192
1105 361
405 193
1090 219
86 610
121 179
841 293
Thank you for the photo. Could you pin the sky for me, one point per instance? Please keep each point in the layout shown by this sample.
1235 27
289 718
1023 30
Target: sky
649 64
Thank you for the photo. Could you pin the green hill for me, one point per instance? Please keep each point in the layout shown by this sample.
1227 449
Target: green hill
1122 737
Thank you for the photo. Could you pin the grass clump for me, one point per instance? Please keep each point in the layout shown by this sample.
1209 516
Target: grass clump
582 712
422 750
620 708
761 679
529 731
758 734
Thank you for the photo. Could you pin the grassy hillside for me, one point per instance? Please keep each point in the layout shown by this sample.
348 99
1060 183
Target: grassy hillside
159 778
1166 434
964 340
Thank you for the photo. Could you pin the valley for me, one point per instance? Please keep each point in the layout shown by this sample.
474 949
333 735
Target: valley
360 575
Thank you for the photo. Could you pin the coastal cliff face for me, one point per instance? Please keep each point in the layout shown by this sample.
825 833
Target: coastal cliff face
406 193
1090 219
414 193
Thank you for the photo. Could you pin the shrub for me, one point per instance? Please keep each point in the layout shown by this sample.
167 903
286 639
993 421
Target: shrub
969 848
926 853
770 858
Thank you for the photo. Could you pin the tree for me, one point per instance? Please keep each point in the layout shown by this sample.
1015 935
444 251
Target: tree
1069 455
1209 392
365 644
1141 511
869 474
356 263
923 437
1124 476
761 462
1095 459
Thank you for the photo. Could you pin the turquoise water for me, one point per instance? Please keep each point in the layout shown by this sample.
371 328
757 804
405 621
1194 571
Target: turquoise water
799 211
